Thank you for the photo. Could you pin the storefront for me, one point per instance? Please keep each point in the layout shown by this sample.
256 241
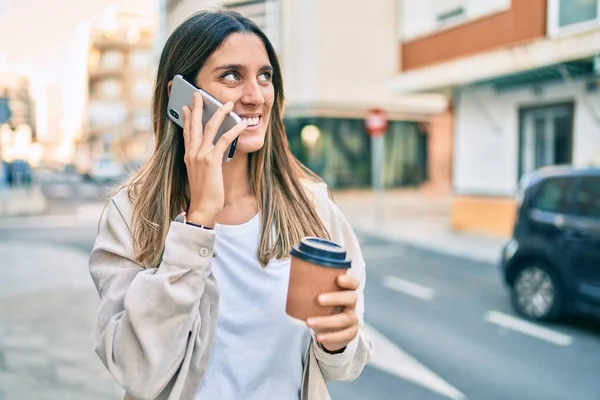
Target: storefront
339 150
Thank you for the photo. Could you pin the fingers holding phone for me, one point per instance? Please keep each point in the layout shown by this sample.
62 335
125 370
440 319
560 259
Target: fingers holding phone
202 139
214 123
224 143
193 124
204 160
183 95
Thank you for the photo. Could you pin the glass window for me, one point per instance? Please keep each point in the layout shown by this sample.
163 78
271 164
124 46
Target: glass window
553 195
587 198
546 137
109 88
339 150
449 10
142 89
142 120
141 60
575 11
112 59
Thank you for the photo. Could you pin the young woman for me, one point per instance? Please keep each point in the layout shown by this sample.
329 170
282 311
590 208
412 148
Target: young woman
192 257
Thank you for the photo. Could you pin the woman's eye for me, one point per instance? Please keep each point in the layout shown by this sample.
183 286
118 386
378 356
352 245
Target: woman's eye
230 76
265 76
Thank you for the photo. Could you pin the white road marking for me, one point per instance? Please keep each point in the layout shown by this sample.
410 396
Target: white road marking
374 252
408 288
391 359
528 328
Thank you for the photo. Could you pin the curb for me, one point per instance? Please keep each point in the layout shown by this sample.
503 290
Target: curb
445 250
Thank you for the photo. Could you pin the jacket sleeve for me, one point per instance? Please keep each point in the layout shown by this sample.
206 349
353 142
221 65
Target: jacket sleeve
348 365
146 316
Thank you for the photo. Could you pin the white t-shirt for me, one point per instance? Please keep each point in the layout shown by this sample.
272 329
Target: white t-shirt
258 352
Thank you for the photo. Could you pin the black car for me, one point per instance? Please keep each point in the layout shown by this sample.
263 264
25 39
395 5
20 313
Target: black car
552 262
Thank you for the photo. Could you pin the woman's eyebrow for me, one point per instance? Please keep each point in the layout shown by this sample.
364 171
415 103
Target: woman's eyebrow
235 67
239 67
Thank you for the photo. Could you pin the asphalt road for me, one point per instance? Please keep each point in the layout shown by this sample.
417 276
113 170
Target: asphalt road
442 326
454 318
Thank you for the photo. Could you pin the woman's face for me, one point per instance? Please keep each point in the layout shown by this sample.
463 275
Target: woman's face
240 72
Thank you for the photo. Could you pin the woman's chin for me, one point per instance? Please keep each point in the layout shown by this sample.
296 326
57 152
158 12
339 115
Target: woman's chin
250 143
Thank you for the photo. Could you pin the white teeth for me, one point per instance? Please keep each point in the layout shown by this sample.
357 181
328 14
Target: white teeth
252 121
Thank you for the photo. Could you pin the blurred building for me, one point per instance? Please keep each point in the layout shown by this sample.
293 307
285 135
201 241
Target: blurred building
523 77
17 118
121 70
337 57
56 72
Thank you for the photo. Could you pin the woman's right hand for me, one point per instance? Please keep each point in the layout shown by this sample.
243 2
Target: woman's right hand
204 160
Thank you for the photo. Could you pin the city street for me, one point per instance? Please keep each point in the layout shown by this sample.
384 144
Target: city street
442 326
456 137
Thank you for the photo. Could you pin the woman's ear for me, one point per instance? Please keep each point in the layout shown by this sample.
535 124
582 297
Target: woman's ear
169 84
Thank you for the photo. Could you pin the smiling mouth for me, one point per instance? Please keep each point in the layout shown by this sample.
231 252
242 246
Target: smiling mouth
252 121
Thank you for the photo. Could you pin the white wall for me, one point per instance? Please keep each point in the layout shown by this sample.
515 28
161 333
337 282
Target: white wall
486 134
297 54
419 18
184 8
341 54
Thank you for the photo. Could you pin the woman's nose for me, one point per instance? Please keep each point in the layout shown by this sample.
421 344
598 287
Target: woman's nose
252 94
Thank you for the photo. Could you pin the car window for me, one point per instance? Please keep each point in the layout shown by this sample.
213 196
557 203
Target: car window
553 195
586 199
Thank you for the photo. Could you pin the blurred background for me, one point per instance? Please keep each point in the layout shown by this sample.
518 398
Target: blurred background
461 139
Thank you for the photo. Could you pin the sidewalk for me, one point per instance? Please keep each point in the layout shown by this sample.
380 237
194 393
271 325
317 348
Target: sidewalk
417 219
22 201
46 324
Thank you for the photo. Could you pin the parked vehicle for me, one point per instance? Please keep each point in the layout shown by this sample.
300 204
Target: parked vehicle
107 170
552 263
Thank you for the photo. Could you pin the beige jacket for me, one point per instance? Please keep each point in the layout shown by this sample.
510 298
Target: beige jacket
156 326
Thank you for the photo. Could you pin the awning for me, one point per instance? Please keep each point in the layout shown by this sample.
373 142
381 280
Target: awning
540 76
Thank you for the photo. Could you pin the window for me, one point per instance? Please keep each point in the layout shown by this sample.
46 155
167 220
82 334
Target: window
546 135
572 15
422 18
106 89
112 59
450 11
142 120
553 195
142 89
587 198
141 60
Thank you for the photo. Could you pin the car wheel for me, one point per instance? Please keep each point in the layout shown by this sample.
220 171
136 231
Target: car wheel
537 293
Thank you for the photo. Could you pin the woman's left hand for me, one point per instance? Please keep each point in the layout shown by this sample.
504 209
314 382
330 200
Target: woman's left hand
334 332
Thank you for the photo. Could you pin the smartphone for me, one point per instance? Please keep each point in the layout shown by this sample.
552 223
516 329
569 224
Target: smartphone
182 93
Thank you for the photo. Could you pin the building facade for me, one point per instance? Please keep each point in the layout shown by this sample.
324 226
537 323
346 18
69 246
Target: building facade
337 57
121 72
17 119
523 79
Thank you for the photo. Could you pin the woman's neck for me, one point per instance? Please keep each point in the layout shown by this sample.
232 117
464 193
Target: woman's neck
236 181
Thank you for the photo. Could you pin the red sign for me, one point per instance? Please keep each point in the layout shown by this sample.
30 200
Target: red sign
376 122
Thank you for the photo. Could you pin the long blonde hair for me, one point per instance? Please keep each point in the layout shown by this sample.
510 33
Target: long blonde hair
159 190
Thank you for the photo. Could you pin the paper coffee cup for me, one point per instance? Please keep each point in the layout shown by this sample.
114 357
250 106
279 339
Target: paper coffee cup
315 266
